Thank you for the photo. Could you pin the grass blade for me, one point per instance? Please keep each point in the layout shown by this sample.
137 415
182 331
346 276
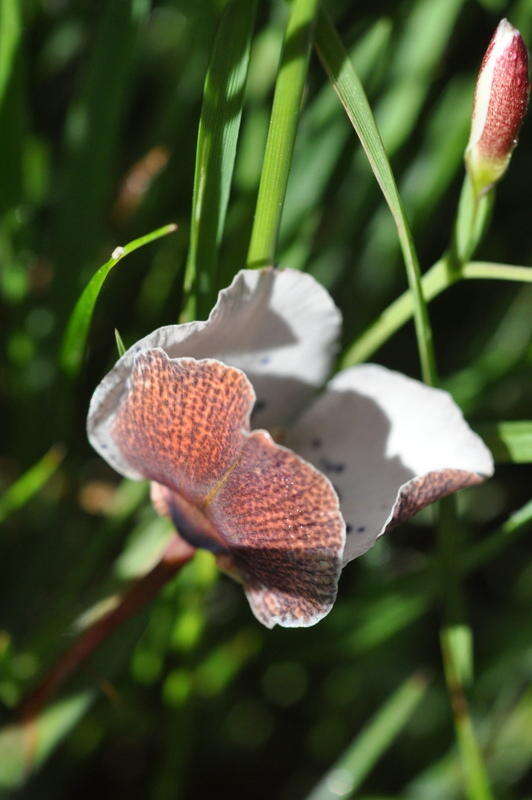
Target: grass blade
510 442
321 138
494 543
353 98
23 489
282 132
92 135
357 761
219 126
10 30
426 33
16 743
78 326
120 346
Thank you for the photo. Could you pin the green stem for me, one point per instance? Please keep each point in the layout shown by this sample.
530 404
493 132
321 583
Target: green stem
422 324
471 221
500 272
456 637
477 785
439 277
281 135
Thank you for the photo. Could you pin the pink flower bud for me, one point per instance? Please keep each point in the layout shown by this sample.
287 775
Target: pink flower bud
501 99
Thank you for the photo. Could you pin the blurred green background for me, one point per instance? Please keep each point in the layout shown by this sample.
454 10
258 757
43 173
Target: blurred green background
99 109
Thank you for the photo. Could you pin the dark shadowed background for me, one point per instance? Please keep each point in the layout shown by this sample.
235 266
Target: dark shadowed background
99 108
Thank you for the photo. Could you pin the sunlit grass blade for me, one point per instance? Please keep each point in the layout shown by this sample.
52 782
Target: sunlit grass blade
23 489
414 62
219 126
510 442
347 774
321 138
353 98
426 33
495 542
423 185
22 750
92 134
284 118
78 326
120 346
476 781
10 31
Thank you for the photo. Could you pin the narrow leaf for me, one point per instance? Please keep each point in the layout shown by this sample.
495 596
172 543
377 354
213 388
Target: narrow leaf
78 326
10 30
351 93
120 346
23 489
287 101
91 139
510 442
24 747
218 131
364 752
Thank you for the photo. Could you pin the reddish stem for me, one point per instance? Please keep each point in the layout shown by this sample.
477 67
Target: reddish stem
141 592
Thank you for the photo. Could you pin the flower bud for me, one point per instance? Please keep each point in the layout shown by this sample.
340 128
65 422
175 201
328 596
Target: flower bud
501 99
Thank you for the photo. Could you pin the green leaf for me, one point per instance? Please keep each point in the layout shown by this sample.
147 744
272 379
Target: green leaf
17 741
459 640
120 346
18 494
510 442
361 756
425 34
10 30
219 126
78 326
91 139
496 541
349 89
284 118
321 138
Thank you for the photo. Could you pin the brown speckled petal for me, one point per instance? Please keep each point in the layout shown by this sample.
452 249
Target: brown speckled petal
180 423
390 446
184 425
286 531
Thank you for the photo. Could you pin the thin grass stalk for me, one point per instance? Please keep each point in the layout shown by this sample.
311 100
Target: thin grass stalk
441 276
282 132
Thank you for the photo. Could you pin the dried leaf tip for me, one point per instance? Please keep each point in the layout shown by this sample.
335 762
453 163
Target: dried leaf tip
501 99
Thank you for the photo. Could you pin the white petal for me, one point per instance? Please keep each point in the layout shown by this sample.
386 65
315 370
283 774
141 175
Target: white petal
279 326
390 445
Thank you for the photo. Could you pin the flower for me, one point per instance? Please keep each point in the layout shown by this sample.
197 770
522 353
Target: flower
501 98
369 452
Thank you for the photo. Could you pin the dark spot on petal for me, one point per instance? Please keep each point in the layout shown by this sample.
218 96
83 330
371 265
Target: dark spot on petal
348 528
331 466
361 529
338 492
315 443
265 360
